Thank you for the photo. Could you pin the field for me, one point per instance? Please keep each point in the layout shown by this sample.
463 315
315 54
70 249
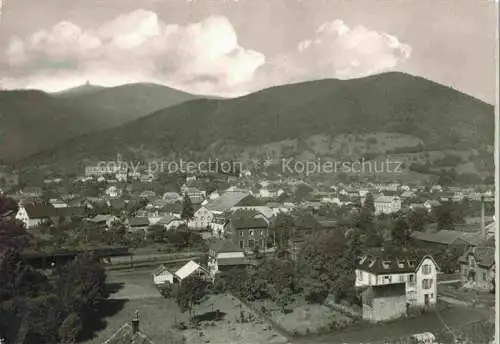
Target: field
305 319
134 291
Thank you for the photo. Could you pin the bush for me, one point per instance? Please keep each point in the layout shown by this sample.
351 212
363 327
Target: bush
166 290
220 286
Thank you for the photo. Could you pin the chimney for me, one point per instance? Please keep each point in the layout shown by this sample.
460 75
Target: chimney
483 227
135 323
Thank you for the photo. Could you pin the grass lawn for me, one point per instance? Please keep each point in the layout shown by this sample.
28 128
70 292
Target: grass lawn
229 330
435 322
157 319
134 291
305 318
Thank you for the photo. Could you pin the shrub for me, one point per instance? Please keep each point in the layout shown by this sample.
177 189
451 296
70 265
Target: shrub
166 290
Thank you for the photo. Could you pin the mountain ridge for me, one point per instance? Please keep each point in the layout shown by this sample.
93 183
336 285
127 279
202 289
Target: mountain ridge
439 116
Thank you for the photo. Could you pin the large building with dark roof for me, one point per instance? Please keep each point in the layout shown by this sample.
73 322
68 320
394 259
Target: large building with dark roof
419 274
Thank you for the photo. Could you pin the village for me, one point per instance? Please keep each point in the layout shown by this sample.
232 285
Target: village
263 258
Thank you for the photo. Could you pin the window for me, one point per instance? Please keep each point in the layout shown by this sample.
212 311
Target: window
401 278
241 243
250 232
472 261
241 233
426 269
411 278
484 276
426 284
360 275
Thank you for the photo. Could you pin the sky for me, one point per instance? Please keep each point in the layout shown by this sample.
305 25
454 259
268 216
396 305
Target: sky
234 47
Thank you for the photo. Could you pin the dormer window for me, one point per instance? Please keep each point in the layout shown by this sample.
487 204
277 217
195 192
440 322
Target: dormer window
400 264
363 259
412 263
386 264
372 262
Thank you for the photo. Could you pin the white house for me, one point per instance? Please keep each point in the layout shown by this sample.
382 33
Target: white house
57 203
191 268
113 192
214 195
104 221
387 204
162 276
33 215
419 276
169 222
270 193
202 218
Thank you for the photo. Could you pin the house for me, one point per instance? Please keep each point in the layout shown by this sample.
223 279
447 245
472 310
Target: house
196 196
192 268
202 219
147 194
33 214
32 191
162 276
448 239
384 302
432 203
214 195
171 197
113 192
478 268
436 188
169 222
129 333
408 194
138 224
104 221
171 209
418 274
249 230
267 192
387 204
230 200
415 206
57 203
224 255
219 224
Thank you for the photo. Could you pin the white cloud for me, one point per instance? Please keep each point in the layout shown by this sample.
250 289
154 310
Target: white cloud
137 47
336 50
203 57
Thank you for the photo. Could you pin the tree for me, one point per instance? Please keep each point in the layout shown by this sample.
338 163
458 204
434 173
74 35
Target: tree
400 233
189 292
282 230
417 219
322 263
301 192
187 209
7 206
448 215
81 285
